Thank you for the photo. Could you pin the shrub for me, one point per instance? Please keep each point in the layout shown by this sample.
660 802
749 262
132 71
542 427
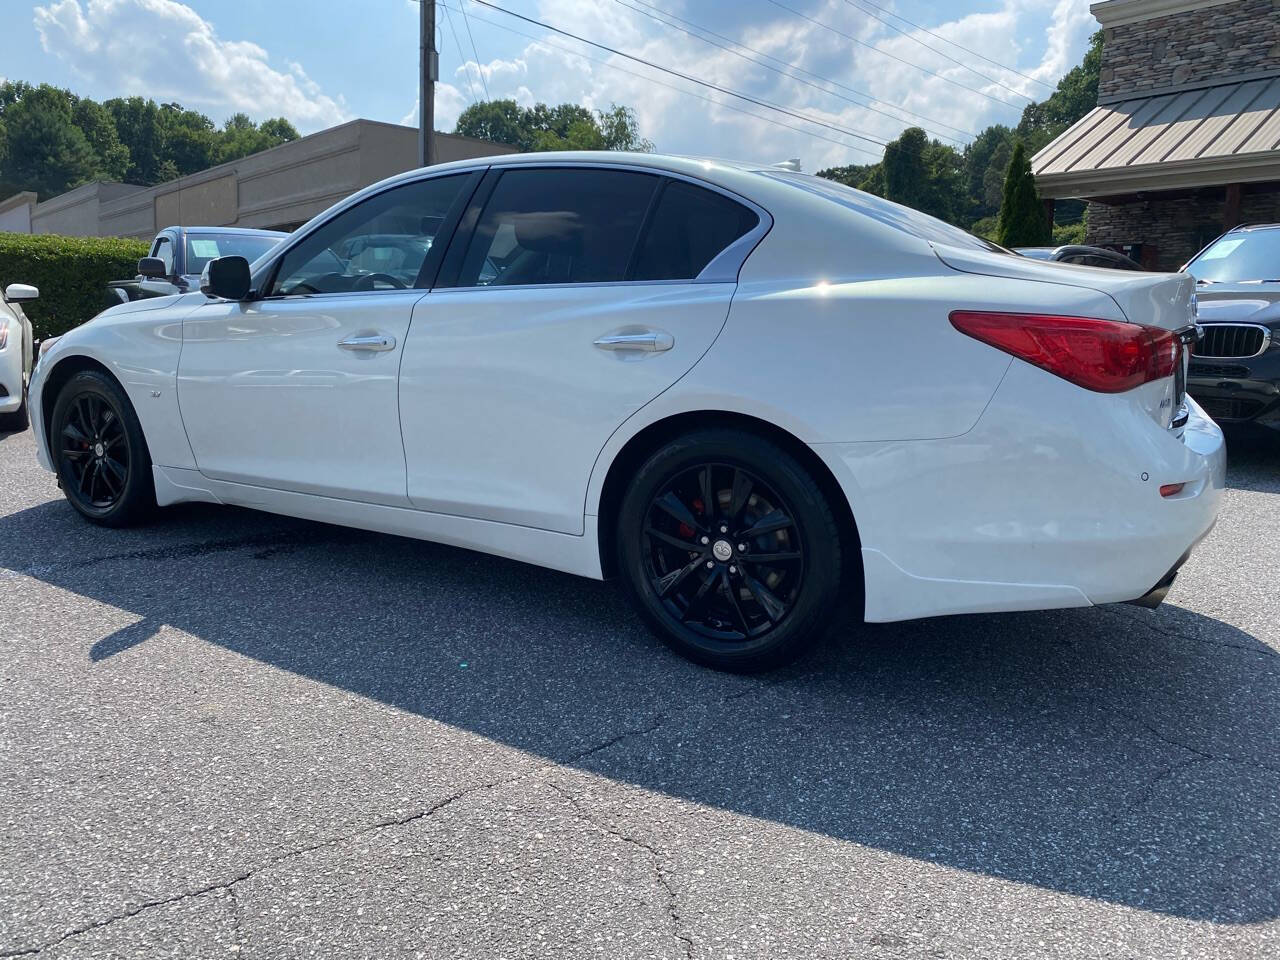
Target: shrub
71 272
1068 233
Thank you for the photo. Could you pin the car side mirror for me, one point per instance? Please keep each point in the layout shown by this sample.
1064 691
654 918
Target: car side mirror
152 267
20 293
226 278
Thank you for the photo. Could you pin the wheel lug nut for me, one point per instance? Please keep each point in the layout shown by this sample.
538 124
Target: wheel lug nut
742 548
724 529
733 569
705 541
710 564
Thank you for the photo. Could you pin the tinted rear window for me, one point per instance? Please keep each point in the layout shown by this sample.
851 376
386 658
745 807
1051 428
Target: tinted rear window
558 226
690 226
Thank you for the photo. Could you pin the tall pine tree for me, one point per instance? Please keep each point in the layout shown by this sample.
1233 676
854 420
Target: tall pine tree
1022 221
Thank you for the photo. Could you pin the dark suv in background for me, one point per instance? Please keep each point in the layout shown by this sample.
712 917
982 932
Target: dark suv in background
1235 368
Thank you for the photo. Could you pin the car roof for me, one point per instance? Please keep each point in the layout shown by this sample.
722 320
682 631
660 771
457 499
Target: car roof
230 231
1248 227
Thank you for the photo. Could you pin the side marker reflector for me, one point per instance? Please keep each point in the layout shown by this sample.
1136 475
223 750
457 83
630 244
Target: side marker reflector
1171 489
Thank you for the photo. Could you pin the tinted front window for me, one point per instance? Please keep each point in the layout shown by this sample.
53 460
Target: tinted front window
1246 255
379 244
203 247
689 227
558 226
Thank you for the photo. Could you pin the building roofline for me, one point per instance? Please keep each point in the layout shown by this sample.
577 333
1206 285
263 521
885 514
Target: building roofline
18 199
1159 177
1115 13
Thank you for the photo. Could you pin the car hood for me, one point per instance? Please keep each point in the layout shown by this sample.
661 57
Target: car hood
149 303
1238 303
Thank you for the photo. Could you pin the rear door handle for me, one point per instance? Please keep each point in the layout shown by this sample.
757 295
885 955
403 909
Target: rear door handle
376 341
648 341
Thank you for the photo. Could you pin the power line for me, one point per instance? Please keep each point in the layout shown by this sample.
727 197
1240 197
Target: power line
959 46
671 86
912 37
458 45
462 8
776 70
891 56
684 76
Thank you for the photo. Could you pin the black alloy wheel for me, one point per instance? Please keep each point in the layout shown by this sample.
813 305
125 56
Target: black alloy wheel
99 451
723 552
730 550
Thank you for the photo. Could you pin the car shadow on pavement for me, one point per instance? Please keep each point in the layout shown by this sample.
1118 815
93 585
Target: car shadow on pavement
1109 753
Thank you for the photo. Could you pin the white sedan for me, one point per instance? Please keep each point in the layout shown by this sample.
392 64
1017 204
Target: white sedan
746 392
16 356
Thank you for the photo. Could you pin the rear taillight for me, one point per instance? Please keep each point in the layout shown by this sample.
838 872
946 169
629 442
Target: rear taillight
1103 355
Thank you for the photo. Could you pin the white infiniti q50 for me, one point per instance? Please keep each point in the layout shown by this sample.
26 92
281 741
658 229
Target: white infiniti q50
747 392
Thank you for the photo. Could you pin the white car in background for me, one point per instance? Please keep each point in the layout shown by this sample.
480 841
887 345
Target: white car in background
16 356
747 392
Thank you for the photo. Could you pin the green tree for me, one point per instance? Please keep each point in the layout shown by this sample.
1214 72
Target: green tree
47 152
1075 95
1022 220
567 126
99 128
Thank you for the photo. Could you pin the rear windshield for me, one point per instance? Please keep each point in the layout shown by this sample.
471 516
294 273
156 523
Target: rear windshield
902 218
1246 255
203 247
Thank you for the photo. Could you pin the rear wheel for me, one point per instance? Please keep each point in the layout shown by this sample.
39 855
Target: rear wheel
730 551
100 452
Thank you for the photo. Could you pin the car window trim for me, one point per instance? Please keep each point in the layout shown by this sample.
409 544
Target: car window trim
723 268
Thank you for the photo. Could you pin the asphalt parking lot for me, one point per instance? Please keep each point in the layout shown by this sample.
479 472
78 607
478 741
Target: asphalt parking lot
231 734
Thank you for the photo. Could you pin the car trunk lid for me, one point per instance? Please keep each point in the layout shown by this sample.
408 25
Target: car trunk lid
1164 300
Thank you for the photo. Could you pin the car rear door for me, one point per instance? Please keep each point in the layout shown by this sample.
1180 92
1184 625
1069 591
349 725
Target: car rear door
574 297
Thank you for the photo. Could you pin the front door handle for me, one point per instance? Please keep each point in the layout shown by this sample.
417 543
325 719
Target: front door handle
648 341
376 341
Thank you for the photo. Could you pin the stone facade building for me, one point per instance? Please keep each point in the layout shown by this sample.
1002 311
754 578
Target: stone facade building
1185 141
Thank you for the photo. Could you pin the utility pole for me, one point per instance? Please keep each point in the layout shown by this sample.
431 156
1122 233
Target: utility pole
428 73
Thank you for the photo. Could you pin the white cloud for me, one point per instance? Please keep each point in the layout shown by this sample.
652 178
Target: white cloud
679 123
163 49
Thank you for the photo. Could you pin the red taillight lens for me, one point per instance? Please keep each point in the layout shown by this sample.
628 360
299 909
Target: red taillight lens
1102 355
1171 489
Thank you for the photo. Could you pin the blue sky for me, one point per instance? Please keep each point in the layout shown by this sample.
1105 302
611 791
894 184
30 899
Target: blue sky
320 62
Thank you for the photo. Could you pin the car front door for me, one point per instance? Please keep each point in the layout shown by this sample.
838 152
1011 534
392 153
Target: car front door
572 298
296 389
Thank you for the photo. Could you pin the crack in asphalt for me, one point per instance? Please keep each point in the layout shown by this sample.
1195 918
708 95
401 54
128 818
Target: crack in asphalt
396 822
661 875
230 883
1149 790
1262 651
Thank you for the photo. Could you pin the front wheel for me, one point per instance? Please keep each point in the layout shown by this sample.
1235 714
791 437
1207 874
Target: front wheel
100 452
730 550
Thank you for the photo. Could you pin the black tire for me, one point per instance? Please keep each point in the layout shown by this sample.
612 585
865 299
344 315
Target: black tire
18 420
711 600
100 453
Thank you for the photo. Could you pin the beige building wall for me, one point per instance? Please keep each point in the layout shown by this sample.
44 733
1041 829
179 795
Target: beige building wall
278 188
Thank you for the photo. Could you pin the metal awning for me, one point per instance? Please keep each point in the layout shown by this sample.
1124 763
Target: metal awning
1175 140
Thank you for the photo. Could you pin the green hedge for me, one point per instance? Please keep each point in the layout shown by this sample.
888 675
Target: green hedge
71 272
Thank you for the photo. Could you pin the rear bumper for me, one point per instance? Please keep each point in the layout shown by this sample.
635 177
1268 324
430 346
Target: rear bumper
1051 500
